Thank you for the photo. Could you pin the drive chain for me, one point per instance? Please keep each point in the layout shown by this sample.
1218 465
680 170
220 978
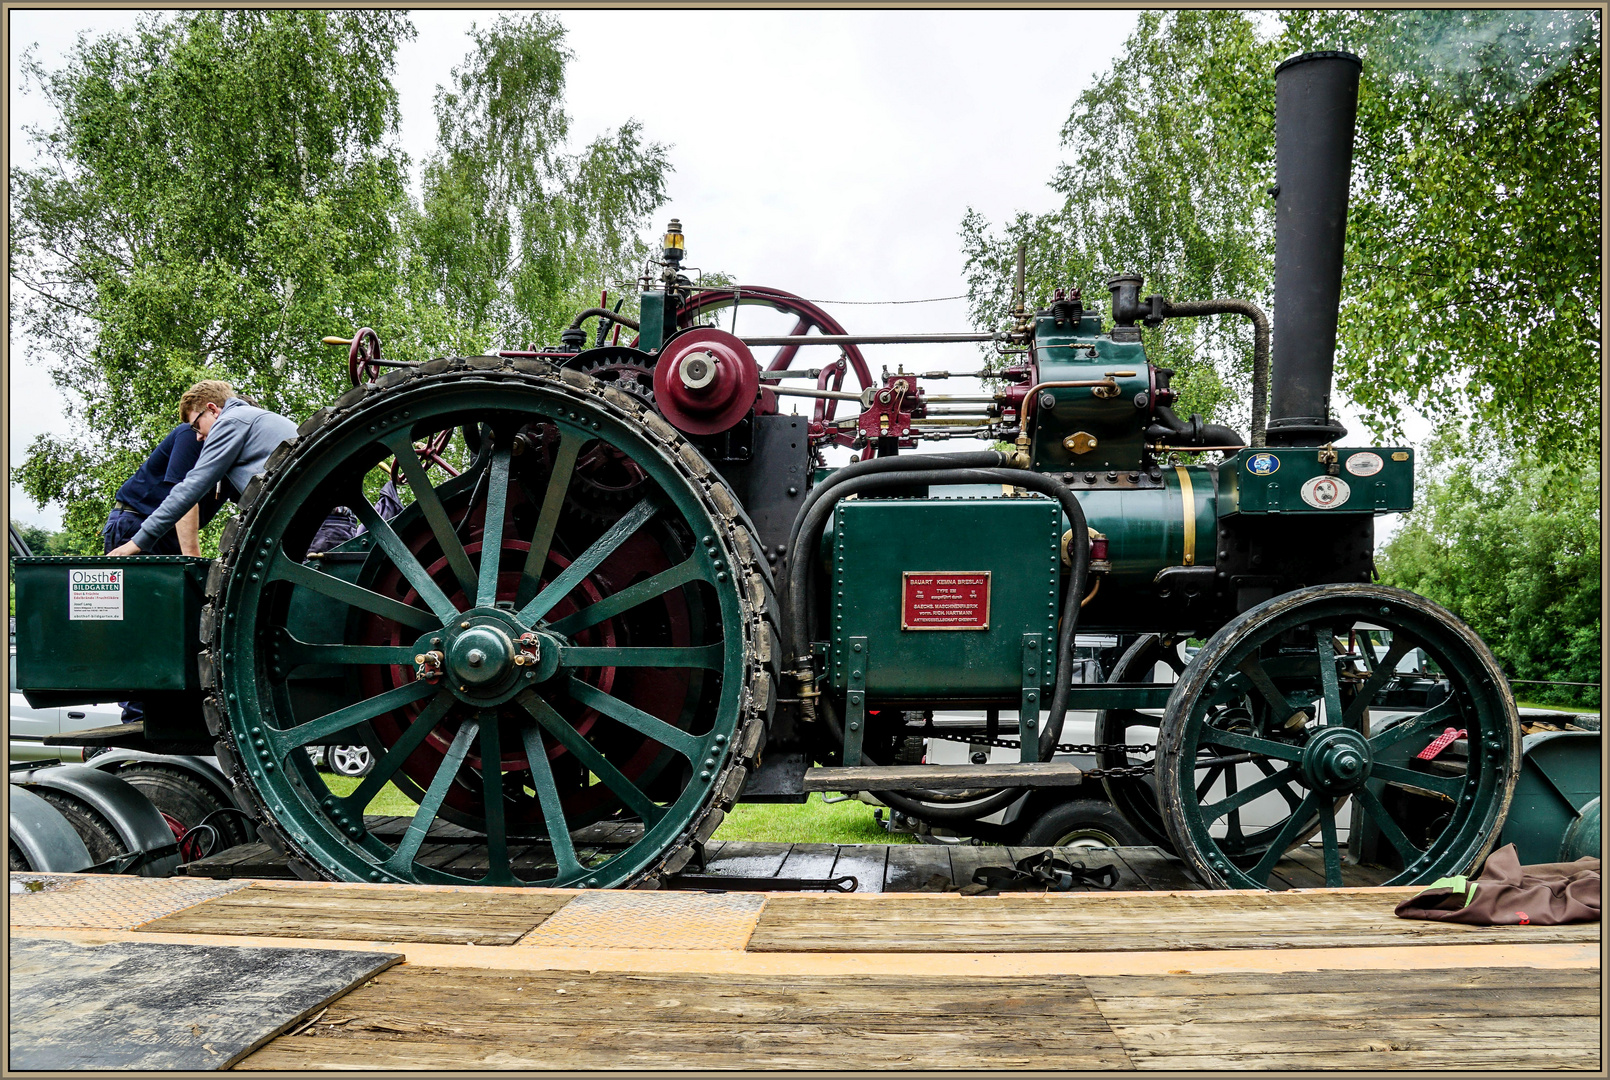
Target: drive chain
1118 771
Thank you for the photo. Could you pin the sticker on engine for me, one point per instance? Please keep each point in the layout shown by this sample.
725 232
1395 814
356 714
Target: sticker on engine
1365 464
1325 492
944 601
95 595
1262 464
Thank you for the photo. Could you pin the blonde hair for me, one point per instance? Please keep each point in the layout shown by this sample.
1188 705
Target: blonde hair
204 393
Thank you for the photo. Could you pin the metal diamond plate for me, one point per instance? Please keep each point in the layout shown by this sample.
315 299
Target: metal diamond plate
651 920
105 901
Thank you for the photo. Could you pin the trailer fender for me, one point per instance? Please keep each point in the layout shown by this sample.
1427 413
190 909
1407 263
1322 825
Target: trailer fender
205 769
138 824
42 836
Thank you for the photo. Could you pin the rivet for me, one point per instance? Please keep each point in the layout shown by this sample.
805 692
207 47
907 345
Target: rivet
855 725
720 739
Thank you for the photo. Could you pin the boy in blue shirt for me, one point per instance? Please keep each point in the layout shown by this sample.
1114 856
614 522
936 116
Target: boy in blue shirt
143 492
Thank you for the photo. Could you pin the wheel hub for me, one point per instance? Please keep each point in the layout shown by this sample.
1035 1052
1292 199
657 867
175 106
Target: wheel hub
488 657
1336 761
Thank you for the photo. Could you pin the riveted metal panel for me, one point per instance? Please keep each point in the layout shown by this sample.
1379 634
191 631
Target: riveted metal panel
880 545
1300 480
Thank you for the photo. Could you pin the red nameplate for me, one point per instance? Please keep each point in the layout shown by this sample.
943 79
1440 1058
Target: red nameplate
944 601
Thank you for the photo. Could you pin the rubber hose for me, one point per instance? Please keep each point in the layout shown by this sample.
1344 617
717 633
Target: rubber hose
801 565
976 459
603 313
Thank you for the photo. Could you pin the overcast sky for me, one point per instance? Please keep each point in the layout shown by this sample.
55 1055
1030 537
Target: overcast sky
828 153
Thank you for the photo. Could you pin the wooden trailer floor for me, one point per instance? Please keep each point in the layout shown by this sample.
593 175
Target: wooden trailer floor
1162 979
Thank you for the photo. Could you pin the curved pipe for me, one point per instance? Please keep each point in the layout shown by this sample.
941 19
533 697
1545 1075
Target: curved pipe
1260 348
977 459
813 519
602 313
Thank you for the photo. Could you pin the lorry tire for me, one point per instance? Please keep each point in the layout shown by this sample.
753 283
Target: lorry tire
97 833
1080 823
180 795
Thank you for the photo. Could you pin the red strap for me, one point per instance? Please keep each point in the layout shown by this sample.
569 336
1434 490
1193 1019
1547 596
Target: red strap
1440 743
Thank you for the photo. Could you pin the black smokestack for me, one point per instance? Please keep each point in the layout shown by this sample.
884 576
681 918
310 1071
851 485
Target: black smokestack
1316 102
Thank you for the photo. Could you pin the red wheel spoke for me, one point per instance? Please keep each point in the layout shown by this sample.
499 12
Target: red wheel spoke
564 465
785 355
553 811
497 495
425 495
407 565
286 569
402 859
588 561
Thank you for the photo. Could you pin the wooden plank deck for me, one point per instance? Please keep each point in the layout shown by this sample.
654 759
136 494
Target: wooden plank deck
876 867
1143 980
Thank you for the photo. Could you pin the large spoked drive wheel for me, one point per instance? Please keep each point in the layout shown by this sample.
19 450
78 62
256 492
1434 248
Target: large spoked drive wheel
1268 737
516 667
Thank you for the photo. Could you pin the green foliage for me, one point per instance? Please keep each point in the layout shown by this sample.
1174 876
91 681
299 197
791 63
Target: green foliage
222 188
1167 159
516 235
44 542
1510 544
1473 272
1473 255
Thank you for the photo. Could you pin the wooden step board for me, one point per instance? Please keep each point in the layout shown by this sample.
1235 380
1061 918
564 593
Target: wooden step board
1026 774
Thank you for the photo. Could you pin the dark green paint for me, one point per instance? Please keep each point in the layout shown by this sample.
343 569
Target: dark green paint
1064 355
1016 540
653 323
152 648
1242 491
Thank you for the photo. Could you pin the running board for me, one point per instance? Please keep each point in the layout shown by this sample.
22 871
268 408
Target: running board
1035 774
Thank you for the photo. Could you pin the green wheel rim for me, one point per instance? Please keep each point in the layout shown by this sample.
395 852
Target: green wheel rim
513 666
1277 705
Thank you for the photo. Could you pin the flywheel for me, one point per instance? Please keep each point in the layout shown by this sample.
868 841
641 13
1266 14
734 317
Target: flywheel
518 669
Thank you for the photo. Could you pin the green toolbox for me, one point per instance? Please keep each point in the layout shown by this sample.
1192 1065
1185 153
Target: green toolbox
102 629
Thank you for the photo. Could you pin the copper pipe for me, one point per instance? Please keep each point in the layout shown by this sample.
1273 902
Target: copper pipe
1033 396
1091 595
1160 448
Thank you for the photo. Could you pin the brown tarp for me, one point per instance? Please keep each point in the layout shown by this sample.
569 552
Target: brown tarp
1509 894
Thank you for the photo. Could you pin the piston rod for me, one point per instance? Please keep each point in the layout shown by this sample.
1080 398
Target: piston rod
870 339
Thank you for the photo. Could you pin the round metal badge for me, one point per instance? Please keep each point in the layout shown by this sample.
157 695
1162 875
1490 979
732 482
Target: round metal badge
1325 492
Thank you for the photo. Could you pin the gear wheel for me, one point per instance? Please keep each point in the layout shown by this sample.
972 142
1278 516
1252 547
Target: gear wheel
608 482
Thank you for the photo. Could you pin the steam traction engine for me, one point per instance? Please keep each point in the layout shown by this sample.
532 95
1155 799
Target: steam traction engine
640 594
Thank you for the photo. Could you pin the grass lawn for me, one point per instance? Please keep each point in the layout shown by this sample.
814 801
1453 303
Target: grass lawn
390 801
1594 709
813 822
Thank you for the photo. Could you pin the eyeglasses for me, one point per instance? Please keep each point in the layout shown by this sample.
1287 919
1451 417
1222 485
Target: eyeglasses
195 425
